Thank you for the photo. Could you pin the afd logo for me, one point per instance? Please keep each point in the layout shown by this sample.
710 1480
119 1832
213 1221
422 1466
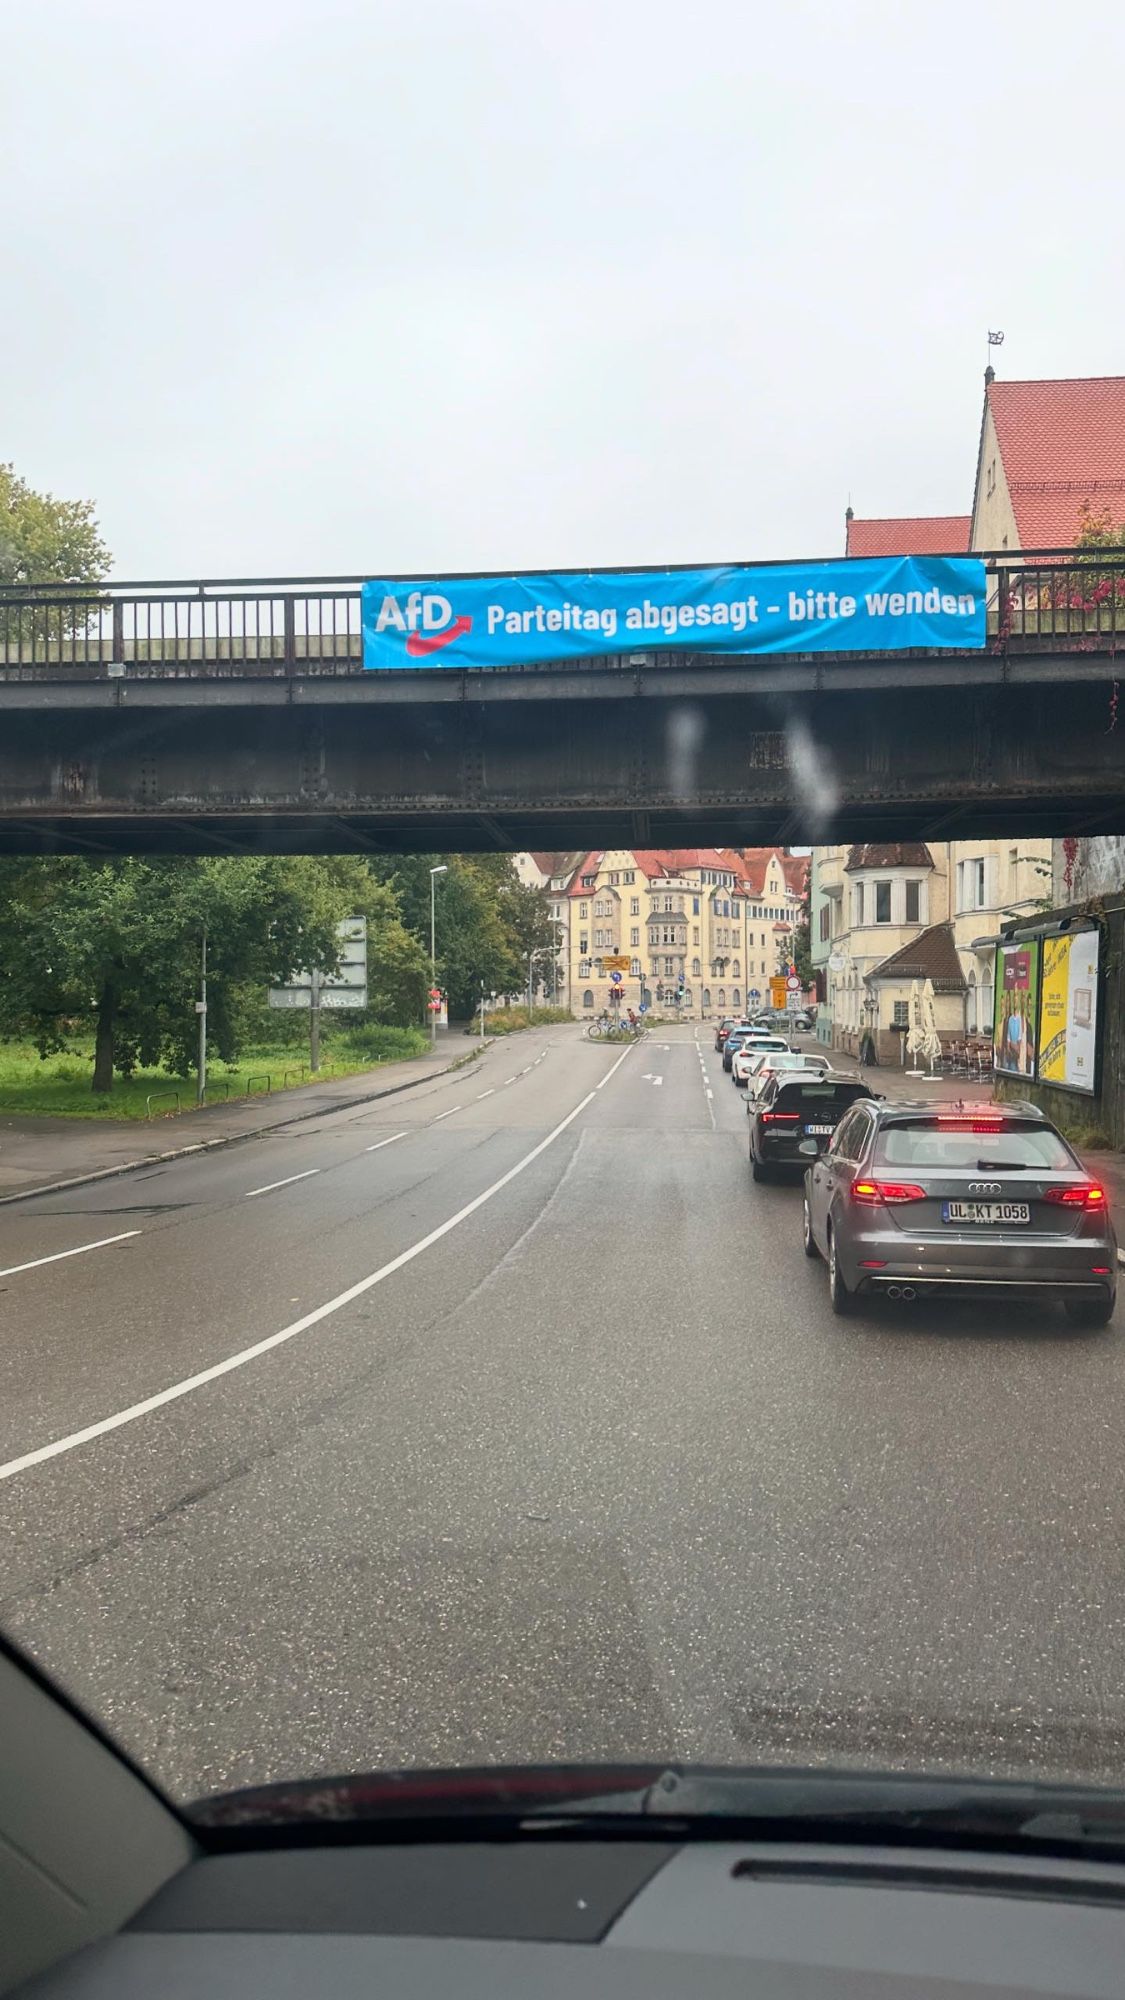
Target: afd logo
427 620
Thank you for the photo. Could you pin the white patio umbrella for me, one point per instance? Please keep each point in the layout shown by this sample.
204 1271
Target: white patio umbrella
931 1040
916 1033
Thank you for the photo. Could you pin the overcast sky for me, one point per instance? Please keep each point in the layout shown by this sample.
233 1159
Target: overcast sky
369 287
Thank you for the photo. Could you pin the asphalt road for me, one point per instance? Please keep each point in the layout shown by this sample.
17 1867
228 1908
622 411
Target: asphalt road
576 1463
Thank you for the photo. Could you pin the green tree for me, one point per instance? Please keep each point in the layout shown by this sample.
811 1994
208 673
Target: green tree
486 921
118 943
44 540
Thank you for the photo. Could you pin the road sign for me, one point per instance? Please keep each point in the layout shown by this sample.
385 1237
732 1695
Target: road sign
778 990
616 977
792 984
836 961
345 988
616 962
754 993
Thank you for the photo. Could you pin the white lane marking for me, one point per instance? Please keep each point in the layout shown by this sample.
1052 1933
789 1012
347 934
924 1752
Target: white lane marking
507 1081
380 1143
60 1254
710 1093
439 1115
486 1093
287 1182
247 1354
616 1067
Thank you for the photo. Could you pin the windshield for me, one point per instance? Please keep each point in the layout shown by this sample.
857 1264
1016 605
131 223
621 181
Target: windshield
436 431
792 1095
969 1144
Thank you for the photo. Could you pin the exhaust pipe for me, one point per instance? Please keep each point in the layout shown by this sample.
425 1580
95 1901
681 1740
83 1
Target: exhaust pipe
900 1292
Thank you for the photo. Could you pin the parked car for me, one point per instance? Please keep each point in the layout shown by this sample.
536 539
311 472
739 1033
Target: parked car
749 1038
794 1108
966 1200
751 1054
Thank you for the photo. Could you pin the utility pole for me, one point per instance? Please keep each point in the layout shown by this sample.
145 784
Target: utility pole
314 1020
442 869
201 1010
482 1012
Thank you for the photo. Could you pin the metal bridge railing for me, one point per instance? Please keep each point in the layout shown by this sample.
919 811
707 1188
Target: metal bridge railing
311 626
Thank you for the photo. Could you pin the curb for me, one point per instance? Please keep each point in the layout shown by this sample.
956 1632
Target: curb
227 1138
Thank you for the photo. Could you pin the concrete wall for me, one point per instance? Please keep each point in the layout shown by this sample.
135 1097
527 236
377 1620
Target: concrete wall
1097 869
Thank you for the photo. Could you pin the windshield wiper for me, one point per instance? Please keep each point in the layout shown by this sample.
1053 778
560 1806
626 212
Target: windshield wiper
678 1803
1002 1166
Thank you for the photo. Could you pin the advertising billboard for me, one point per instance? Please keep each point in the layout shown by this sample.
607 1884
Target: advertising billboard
1015 1027
884 604
1068 1017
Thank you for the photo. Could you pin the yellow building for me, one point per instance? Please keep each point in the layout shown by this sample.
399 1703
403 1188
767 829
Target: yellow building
702 928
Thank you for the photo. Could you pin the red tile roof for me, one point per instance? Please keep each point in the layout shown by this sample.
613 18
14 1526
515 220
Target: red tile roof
1062 443
748 867
911 535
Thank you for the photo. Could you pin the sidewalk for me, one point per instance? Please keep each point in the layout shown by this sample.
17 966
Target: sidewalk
37 1154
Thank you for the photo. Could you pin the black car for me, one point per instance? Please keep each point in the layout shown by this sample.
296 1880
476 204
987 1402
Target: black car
794 1109
723 1028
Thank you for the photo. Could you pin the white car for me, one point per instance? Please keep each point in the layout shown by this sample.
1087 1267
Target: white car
753 1047
785 1062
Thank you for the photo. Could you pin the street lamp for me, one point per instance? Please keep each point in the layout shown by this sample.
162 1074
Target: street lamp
441 869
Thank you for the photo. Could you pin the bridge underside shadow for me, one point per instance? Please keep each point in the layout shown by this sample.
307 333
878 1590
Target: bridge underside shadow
348 765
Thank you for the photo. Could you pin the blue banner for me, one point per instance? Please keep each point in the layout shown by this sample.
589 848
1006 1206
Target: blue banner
883 605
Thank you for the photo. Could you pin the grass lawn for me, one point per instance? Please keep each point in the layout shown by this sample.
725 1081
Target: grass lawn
59 1086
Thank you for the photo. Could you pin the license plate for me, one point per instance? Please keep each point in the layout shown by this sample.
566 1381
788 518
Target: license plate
994 1212
819 1131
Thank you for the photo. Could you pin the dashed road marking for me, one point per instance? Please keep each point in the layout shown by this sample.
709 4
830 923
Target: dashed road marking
79 1251
287 1182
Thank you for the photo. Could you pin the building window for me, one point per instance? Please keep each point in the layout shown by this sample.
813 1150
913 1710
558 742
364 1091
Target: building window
882 902
669 967
695 906
634 906
635 969
736 998
583 911
584 944
587 998
737 971
630 875
825 922
696 968
972 885
584 968
913 902
588 881
736 909
707 999
857 902
667 902
614 877
902 1012
721 997
634 937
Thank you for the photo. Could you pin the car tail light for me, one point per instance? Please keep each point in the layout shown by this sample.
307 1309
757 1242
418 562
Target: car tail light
1099 1270
1087 1195
780 1117
873 1192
